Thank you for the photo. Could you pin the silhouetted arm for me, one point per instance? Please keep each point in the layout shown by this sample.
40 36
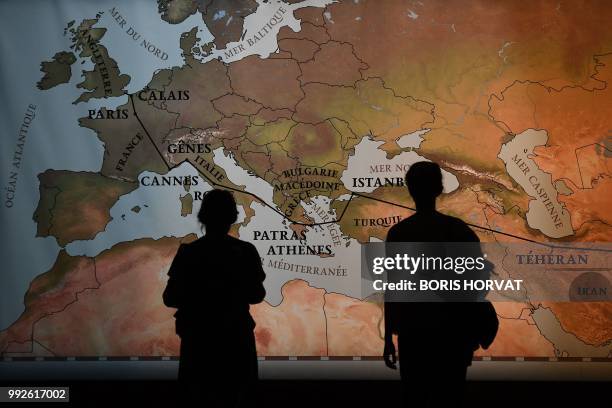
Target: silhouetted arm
389 353
256 275
172 294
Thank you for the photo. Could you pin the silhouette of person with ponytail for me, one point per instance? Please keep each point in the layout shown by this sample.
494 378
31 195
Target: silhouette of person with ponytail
212 281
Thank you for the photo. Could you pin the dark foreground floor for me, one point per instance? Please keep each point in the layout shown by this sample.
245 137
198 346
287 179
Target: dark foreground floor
289 394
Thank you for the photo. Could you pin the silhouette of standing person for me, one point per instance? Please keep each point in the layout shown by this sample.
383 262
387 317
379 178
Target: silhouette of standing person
212 281
436 340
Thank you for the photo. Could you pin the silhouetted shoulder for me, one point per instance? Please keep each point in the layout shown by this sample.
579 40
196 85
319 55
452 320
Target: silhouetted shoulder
431 227
242 246
395 232
226 249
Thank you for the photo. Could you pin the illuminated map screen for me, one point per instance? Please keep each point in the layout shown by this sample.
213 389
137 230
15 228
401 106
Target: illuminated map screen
118 116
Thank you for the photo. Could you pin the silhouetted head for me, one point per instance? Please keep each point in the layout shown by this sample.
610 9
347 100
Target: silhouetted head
218 211
424 181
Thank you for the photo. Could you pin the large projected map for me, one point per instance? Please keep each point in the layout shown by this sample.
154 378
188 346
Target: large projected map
118 116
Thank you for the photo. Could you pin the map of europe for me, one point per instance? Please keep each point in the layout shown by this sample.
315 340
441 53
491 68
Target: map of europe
118 117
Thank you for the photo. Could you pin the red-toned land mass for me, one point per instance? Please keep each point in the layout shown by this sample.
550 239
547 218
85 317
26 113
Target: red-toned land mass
67 198
296 327
308 31
573 117
300 50
128 151
50 293
319 69
592 204
176 11
353 326
367 108
591 322
455 54
124 314
204 83
518 337
224 19
232 104
378 217
470 72
271 82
